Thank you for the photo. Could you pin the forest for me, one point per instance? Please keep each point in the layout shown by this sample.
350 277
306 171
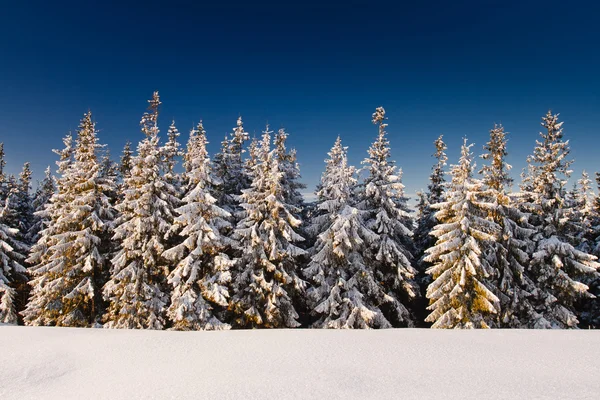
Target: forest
229 242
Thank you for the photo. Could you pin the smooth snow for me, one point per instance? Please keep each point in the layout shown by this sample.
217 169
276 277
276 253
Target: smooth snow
66 363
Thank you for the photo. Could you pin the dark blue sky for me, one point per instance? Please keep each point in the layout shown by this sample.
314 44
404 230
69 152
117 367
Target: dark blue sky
318 69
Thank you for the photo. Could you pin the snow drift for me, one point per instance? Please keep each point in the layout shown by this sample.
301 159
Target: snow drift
67 363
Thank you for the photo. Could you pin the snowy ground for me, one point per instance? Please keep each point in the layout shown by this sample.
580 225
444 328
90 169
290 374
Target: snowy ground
61 363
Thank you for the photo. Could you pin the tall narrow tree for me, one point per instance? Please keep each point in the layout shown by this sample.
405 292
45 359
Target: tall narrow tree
345 292
509 253
69 264
386 213
267 282
558 268
136 290
459 294
201 276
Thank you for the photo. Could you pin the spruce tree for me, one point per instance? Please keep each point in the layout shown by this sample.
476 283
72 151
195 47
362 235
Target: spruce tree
12 270
509 254
3 178
41 199
137 288
386 213
170 153
267 282
230 170
426 220
201 276
557 267
345 292
68 262
125 165
291 173
23 203
461 295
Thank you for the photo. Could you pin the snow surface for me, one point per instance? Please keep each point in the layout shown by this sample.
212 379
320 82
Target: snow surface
66 363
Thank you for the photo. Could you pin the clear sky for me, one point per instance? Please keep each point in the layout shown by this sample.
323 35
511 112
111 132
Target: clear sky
317 68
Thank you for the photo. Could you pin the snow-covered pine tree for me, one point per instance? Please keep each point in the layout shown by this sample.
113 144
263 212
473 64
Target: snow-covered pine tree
41 199
344 292
557 267
291 174
596 219
12 272
3 188
170 153
386 213
581 215
230 170
68 263
252 159
109 174
55 203
201 276
136 290
23 202
461 295
125 166
426 220
266 281
509 254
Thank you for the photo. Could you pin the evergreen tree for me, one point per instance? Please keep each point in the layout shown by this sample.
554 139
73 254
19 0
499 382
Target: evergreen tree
23 202
557 267
12 271
291 174
509 253
459 294
344 292
3 188
109 174
41 199
68 263
171 151
201 275
136 290
581 215
126 165
230 169
386 213
426 220
266 281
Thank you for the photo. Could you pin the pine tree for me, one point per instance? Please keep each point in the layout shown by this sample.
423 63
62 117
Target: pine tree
201 276
266 281
3 188
581 215
57 201
68 263
136 290
556 266
344 292
386 213
230 170
291 173
23 202
126 166
12 271
171 151
426 220
509 254
460 296
109 174
41 199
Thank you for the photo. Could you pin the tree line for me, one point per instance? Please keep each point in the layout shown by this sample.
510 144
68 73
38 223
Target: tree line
230 242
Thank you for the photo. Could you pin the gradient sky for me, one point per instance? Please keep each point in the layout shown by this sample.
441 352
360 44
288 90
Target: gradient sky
319 69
